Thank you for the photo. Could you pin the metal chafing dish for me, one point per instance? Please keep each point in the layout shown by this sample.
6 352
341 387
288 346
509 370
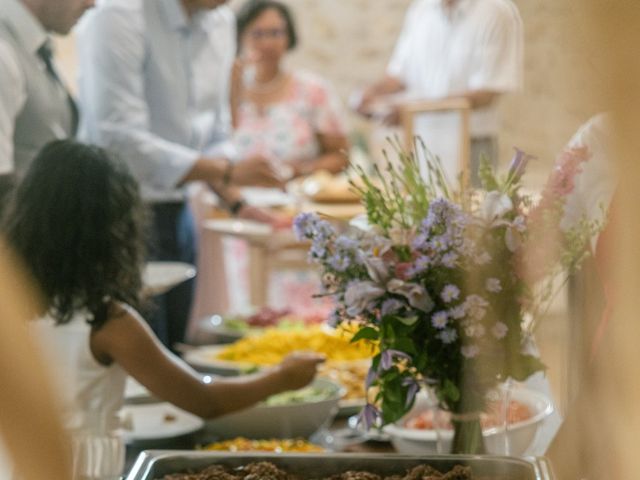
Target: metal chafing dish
152 465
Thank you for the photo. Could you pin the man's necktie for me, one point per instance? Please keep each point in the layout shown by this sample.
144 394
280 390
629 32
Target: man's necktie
45 53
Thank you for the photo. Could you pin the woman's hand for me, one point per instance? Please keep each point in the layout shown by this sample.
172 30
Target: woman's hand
299 369
277 221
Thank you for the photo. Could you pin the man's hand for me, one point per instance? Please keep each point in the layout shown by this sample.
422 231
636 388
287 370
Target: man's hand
256 171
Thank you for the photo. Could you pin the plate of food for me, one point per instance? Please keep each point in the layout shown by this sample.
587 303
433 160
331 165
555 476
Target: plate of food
230 327
295 413
160 277
275 445
157 421
347 363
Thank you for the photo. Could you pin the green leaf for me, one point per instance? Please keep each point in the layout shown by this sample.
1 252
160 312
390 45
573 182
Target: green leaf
450 391
408 321
366 333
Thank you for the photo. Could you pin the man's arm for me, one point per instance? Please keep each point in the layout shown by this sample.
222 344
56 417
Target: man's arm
12 98
117 114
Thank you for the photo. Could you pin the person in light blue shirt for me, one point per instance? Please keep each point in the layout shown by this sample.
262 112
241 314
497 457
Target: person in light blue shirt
154 89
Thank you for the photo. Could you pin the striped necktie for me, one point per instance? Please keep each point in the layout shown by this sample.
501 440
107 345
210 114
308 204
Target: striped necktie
46 54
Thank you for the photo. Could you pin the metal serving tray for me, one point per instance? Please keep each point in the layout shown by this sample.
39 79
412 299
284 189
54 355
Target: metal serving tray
154 464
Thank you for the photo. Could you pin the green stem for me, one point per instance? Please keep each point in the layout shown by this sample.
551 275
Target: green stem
467 438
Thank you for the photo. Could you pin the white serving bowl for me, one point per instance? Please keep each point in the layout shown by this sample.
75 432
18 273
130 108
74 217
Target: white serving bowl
280 421
520 435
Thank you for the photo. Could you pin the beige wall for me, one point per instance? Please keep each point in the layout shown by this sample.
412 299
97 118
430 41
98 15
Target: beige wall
349 42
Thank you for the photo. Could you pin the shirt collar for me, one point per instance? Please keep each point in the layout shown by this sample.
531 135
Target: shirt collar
28 31
459 8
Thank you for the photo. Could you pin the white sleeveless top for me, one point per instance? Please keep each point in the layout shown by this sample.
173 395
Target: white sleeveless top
92 394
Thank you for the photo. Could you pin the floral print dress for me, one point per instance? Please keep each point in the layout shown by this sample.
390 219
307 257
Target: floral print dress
288 130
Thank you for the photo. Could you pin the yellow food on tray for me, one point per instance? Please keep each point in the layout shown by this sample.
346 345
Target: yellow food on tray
350 375
242 444
273 345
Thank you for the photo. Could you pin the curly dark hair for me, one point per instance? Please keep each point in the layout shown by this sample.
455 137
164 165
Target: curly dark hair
254 8
78 222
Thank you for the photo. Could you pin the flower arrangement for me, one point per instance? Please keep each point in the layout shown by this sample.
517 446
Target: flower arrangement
439 281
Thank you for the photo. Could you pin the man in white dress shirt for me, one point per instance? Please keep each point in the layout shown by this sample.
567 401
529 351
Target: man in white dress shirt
154 87
457 48
35 106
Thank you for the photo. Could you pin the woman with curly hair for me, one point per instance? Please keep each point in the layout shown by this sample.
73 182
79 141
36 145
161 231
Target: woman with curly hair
78 223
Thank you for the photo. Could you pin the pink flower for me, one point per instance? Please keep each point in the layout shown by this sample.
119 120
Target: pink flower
402 270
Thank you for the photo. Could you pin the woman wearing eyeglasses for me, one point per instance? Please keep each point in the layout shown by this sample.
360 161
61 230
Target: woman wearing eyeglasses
291 117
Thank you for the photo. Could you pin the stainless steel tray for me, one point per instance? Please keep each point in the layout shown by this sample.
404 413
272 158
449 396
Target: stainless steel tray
154 464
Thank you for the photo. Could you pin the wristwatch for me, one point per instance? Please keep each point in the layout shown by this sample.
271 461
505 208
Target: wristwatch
236 206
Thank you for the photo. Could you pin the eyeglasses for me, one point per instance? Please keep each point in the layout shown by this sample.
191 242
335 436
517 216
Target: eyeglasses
274 33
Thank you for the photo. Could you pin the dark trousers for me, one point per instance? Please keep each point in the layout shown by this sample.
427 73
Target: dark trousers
7 182
172 239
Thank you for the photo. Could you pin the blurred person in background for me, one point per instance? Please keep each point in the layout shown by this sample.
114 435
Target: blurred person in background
154 86
91 281
35 105
455 48
30 417
290 116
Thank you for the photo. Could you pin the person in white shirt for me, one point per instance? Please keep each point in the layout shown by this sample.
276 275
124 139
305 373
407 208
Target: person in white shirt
35 106
154 86
457 48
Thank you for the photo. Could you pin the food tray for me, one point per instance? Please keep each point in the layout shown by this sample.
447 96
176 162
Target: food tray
152 465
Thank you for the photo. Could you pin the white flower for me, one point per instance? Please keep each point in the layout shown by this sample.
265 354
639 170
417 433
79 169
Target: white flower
448 336
439 319
495 205
493 285
458 312
416 294
470 351
483 258
401 236
359 295
476 306
499 330
475 331
376 269
450 292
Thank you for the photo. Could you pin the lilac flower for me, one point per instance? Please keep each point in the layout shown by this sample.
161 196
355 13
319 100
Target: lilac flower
449 292
413 389
420 242
390 305
346 244
369 416
449 260
519 164
387 358
420 265
499 330
470 351
340 263
302 225
372 376
493 285
439 320
448 336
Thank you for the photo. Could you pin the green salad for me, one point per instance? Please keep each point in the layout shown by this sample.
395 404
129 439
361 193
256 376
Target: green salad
304 395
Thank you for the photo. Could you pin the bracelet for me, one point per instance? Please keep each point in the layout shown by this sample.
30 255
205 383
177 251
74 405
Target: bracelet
236 206
226 176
